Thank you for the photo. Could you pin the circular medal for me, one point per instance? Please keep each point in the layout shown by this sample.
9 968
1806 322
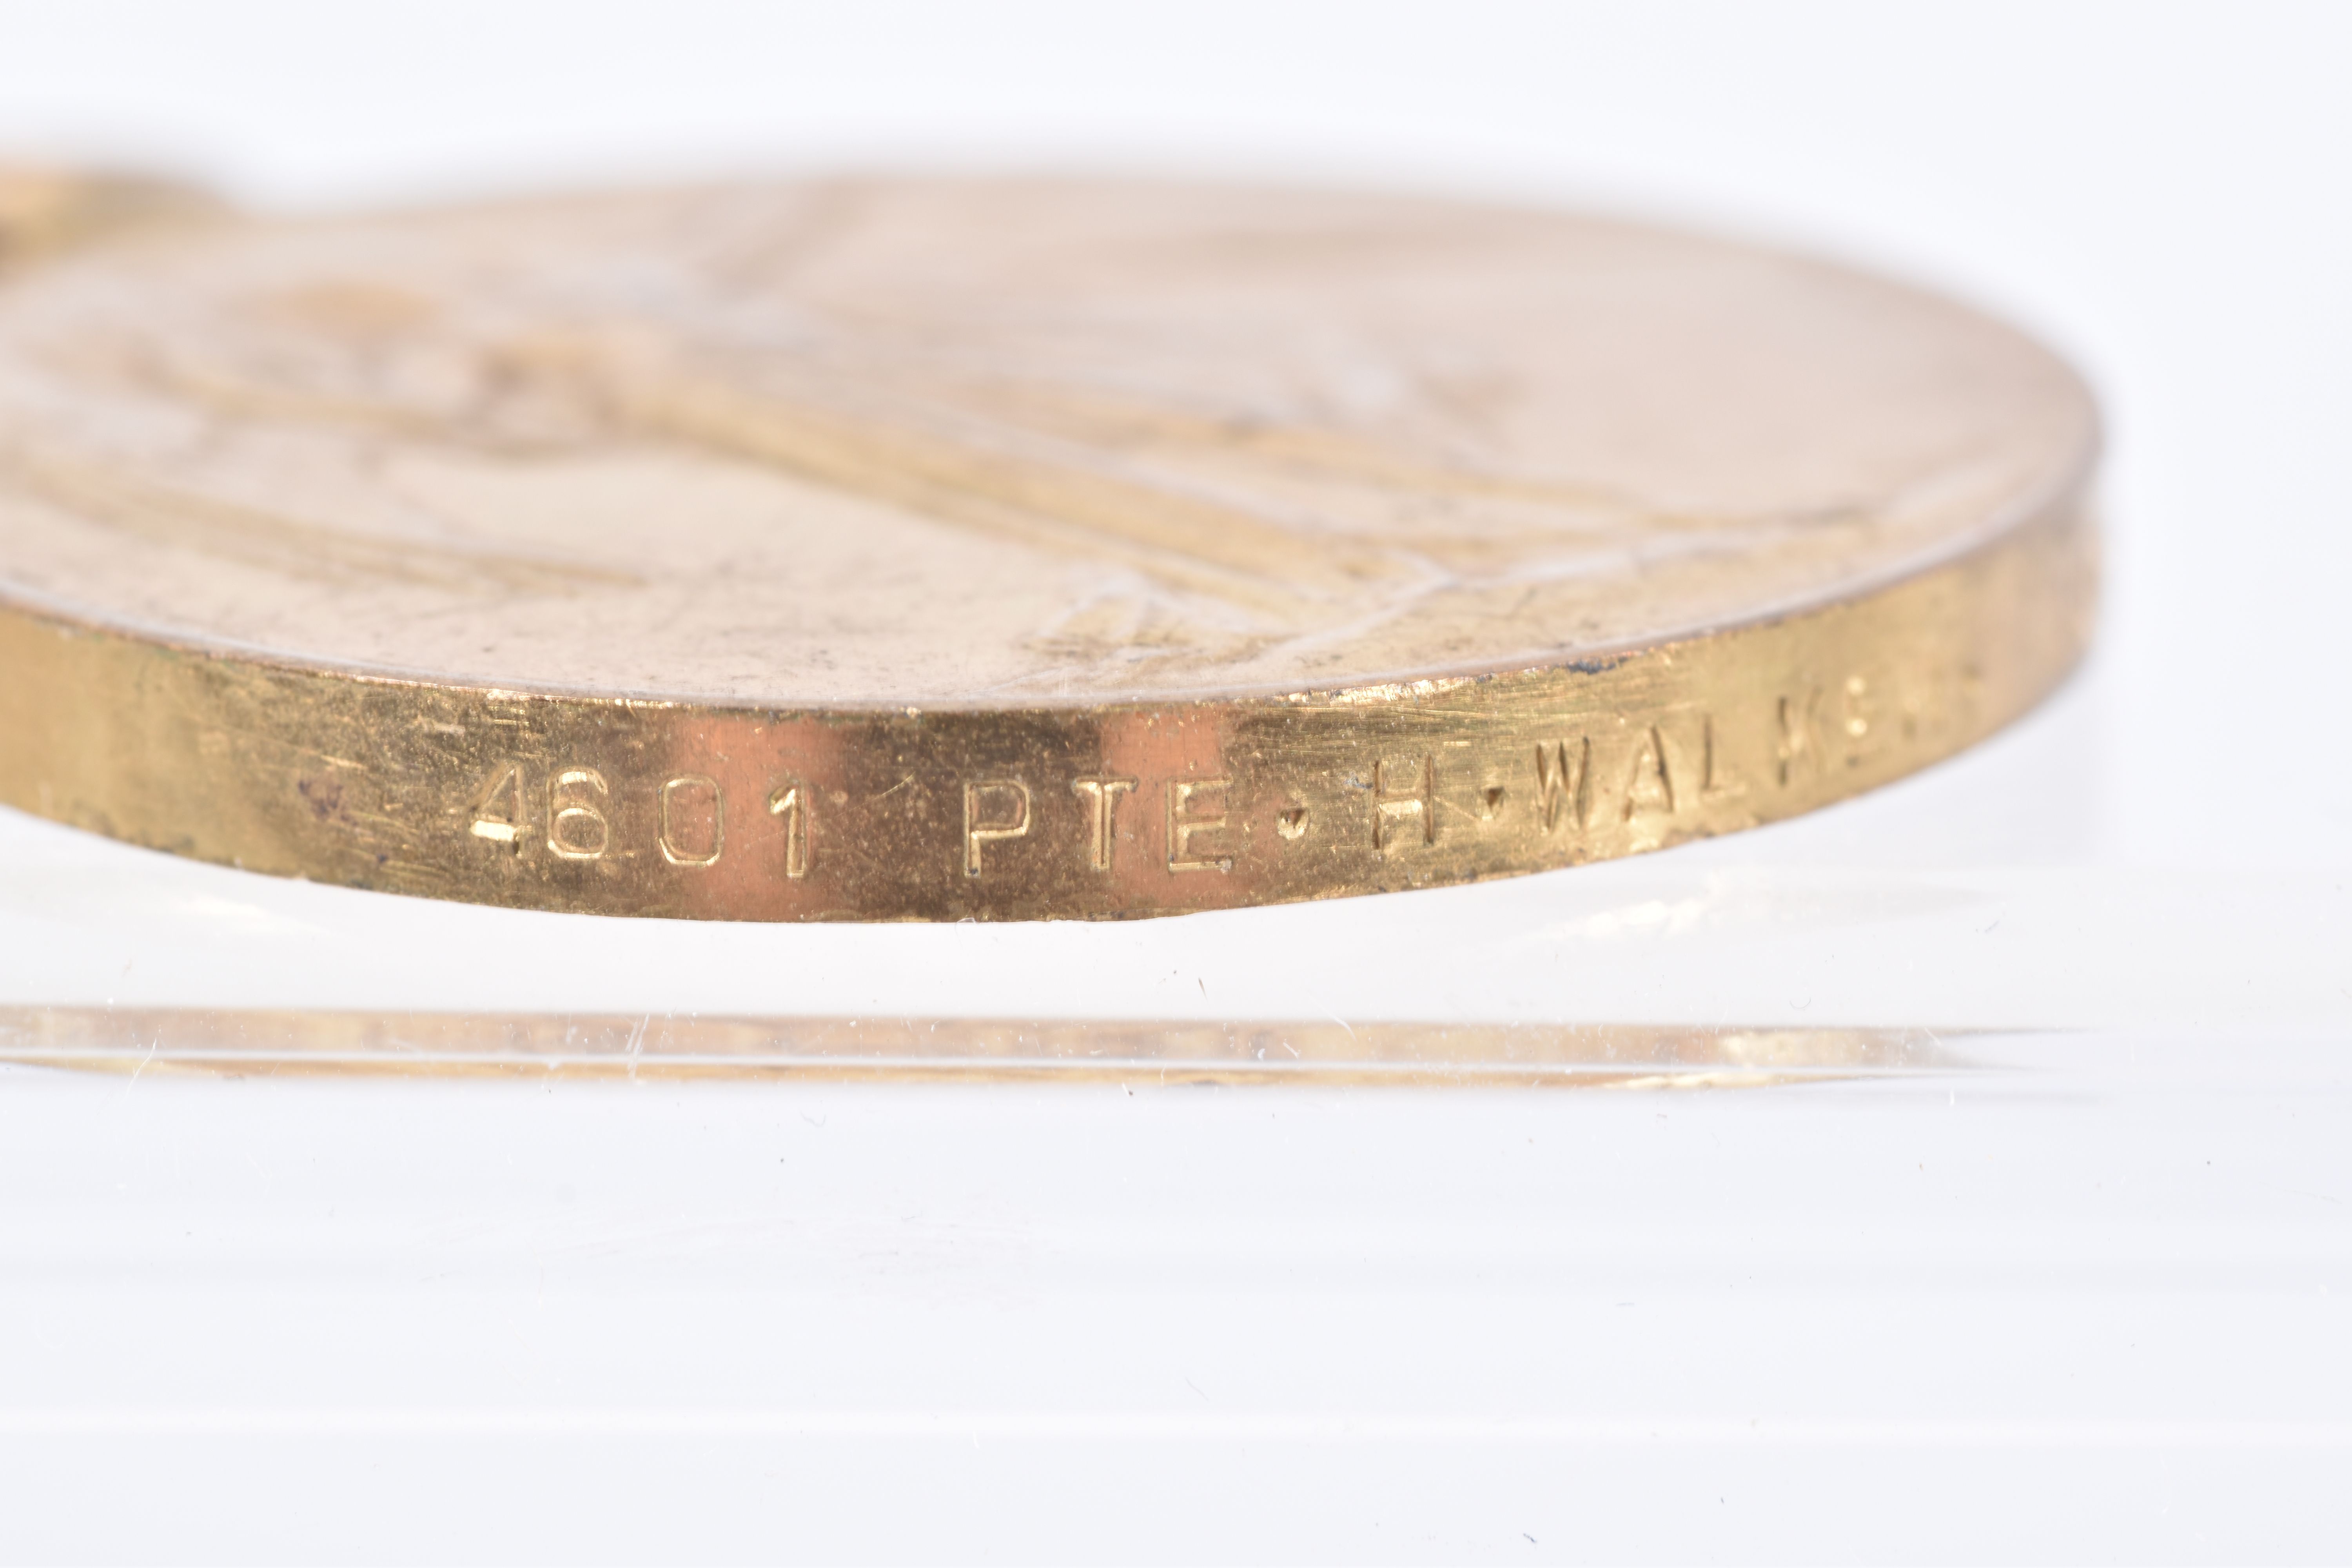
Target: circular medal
1000 549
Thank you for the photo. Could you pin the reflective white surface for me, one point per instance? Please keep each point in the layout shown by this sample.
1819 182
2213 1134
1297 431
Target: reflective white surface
2085 1301
2005 1313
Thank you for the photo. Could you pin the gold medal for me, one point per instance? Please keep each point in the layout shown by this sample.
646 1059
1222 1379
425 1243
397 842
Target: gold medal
876 550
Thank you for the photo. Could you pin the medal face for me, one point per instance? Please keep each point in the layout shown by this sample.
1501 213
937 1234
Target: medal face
889 549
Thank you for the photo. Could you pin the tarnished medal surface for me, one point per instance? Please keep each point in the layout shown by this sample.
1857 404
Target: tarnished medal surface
1000 549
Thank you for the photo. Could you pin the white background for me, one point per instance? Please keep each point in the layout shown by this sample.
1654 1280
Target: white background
2088 1305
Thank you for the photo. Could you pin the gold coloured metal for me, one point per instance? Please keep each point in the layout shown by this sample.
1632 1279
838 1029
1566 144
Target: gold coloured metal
878 549
44 211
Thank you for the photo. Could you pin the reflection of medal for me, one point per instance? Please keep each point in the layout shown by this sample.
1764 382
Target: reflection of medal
885 550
